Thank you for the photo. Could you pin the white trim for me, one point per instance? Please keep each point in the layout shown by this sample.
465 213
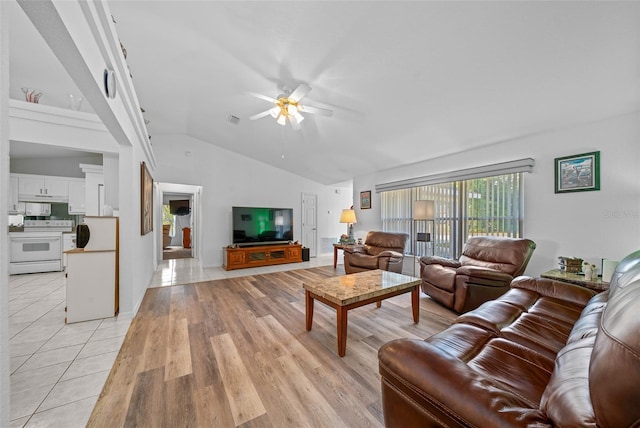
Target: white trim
520 165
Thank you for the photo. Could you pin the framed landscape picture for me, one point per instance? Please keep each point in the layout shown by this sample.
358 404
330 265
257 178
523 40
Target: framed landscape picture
365 200
577 173
146 200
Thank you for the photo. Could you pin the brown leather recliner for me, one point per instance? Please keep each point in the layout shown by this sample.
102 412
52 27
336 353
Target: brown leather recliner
483 272
381 250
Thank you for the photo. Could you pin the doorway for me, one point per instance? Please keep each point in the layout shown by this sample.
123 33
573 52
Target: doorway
180 228
309 222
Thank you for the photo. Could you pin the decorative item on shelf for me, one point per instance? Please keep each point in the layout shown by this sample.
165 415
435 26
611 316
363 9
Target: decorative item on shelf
359 241
32 95
570 264
75 102
349 217
590 271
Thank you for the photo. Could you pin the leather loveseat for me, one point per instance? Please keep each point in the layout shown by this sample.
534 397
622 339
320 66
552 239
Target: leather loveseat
381 250
483 271
544 354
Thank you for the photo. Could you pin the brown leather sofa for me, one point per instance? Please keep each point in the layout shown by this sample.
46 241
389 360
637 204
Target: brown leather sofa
381 250
545 354
483 272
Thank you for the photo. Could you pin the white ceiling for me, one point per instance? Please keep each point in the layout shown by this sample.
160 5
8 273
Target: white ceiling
407 81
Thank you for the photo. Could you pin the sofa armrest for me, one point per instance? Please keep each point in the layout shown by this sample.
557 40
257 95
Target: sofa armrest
484 274
390 254
436 260
359 249
556 289
438 385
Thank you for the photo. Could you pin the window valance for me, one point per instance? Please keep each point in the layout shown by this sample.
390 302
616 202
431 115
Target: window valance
520 165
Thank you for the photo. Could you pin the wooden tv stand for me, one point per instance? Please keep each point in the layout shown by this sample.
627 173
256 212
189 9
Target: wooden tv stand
263 255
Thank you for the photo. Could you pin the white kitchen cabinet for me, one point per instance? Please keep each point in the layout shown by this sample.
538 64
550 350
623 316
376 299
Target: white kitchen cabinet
43 188
77 197
15 206
92 273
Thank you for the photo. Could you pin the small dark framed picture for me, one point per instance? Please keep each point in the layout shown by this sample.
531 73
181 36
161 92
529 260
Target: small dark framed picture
365 200
577 173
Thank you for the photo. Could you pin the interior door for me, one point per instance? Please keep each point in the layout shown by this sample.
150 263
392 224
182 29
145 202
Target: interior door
309 222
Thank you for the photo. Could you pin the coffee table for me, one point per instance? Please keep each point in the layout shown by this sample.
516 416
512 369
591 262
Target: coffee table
351 291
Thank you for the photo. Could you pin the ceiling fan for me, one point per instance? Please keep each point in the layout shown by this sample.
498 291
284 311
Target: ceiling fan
288 107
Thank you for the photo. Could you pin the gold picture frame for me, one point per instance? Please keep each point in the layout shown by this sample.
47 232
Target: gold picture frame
146 200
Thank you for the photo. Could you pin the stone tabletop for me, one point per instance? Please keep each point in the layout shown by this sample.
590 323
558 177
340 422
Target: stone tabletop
347 289
576 278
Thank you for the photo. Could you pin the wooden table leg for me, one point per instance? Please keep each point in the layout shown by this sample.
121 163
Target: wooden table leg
378 303
415 303
342 331
335 257
309 301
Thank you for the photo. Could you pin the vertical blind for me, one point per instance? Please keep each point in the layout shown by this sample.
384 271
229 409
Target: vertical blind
479 206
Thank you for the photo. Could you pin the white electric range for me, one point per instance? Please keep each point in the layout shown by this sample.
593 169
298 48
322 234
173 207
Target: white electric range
39 247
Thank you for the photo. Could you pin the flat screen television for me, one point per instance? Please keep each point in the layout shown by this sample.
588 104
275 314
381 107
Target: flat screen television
257 226
179 207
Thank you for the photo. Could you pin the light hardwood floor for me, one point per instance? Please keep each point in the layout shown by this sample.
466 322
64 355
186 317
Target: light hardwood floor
235 352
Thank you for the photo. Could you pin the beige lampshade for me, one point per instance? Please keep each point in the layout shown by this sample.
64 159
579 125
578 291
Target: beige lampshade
423 210
348 216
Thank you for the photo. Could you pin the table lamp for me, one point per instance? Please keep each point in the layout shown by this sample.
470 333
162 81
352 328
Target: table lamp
349 217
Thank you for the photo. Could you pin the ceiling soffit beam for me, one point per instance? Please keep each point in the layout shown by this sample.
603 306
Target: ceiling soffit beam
82 36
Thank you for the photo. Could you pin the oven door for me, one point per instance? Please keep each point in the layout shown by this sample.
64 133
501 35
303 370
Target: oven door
26 248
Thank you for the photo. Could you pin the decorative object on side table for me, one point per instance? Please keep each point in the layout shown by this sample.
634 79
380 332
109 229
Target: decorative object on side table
577 173
570 264
365 200
32 95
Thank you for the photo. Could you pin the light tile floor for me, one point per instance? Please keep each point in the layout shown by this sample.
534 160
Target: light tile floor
57 369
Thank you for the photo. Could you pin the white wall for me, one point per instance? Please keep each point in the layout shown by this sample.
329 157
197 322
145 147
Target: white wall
591 225
229 179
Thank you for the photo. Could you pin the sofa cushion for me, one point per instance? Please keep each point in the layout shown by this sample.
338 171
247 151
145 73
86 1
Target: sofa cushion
364 261
441 277
496 253
566 400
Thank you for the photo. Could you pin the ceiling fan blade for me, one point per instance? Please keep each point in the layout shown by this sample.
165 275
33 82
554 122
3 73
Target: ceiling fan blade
302 90
260 115
316 110
263 97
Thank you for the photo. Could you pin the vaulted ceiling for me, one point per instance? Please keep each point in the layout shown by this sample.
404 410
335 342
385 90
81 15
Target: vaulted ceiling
407 81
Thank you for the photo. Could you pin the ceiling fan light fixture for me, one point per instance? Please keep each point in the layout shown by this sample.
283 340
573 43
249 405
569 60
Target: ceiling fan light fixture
282 120
299 118
274 112
292 109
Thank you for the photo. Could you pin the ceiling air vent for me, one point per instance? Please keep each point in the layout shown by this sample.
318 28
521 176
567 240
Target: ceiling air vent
234 120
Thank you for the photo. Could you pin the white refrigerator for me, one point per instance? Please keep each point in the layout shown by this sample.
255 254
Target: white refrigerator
92 273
